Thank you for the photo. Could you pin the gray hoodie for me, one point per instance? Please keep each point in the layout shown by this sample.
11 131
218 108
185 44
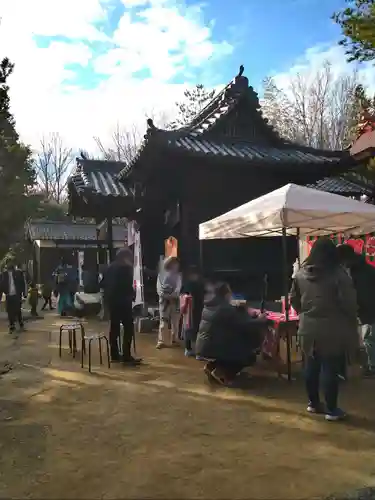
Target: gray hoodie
168 285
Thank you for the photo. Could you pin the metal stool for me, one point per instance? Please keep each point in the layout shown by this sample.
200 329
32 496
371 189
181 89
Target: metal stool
72 336
99 337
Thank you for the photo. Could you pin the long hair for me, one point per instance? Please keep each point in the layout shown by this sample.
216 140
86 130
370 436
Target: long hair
323 254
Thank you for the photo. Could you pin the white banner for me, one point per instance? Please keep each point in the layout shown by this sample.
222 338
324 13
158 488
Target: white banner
81 258
138 270
131 233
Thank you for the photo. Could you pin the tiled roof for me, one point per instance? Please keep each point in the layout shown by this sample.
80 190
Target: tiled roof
248 151
51 230
99 178
365 143
238 90
207 134
342 185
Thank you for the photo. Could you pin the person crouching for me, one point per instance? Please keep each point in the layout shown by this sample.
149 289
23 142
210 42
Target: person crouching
227 336
168 288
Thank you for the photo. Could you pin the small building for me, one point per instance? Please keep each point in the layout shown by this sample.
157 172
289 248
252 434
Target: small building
49 241
227 155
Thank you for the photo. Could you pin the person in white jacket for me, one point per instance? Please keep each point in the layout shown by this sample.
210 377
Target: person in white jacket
168 288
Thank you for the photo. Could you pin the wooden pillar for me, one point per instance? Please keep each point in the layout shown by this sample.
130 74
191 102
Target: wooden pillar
189 245
36 264
111 249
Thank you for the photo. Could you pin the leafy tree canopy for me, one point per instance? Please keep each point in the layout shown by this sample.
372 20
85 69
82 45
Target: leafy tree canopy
194 101
17 175
357 23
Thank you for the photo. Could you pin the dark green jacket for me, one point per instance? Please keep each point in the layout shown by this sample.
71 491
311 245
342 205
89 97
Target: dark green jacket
363 276
327 305
228 334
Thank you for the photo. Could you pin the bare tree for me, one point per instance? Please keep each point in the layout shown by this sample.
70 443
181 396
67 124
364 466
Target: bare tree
315 110
52 165
123 146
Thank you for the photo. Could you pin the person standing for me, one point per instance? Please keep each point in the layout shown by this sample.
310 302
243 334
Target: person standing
47 296
64 304
117 284
325 299
13 285
168 288
363 276
193 287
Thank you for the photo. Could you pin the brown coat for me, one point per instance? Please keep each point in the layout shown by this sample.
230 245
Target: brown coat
327 304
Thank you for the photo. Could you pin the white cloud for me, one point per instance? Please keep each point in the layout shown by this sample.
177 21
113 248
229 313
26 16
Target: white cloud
315 57
162 38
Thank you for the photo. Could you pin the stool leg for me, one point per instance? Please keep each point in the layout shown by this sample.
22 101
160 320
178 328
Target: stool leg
74 342
108 356
70 335
100 351
60 340
83 336
90 355
83 349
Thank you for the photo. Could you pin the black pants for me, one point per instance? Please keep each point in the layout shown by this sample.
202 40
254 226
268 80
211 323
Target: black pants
121 313
330 367
47 302
13 305
343 367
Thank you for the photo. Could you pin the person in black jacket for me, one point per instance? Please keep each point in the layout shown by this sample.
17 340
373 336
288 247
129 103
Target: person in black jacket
363 276
13 285
228 336
119 292
193 286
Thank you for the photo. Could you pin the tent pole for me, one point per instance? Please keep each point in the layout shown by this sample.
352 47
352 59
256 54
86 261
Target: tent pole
286 294
298 248
201 255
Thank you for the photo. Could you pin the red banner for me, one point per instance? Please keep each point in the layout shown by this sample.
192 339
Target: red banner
364 245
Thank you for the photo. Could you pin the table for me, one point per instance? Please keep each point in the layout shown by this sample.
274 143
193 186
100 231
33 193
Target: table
281 330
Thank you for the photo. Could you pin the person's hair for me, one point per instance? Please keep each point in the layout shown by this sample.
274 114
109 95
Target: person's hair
323 253
345 253
193 270
222 289
124 253
170 262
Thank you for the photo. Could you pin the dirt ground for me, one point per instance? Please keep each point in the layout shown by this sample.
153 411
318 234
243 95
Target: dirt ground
159 431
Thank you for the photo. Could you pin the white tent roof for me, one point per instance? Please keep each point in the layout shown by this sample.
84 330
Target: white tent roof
294 207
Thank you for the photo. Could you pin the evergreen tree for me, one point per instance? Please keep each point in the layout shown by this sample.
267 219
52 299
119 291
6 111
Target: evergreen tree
194 101
17 176
357 23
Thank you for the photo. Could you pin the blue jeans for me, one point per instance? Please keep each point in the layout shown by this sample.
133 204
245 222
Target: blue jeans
64 303
368 336
329 366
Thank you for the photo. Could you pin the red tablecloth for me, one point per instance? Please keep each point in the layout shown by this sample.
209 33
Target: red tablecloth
271 341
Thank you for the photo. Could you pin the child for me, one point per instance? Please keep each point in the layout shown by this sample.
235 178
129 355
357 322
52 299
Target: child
33 298
193 290
47 296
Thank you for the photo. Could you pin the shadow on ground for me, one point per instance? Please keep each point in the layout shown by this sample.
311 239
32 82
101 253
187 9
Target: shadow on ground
160 431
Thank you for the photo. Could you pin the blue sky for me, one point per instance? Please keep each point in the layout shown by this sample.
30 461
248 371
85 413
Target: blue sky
268 37
92 64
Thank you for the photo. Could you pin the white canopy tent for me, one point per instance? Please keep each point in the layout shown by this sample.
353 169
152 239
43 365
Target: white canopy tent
294 210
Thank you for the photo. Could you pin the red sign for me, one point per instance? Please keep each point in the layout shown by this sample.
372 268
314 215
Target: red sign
364 245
